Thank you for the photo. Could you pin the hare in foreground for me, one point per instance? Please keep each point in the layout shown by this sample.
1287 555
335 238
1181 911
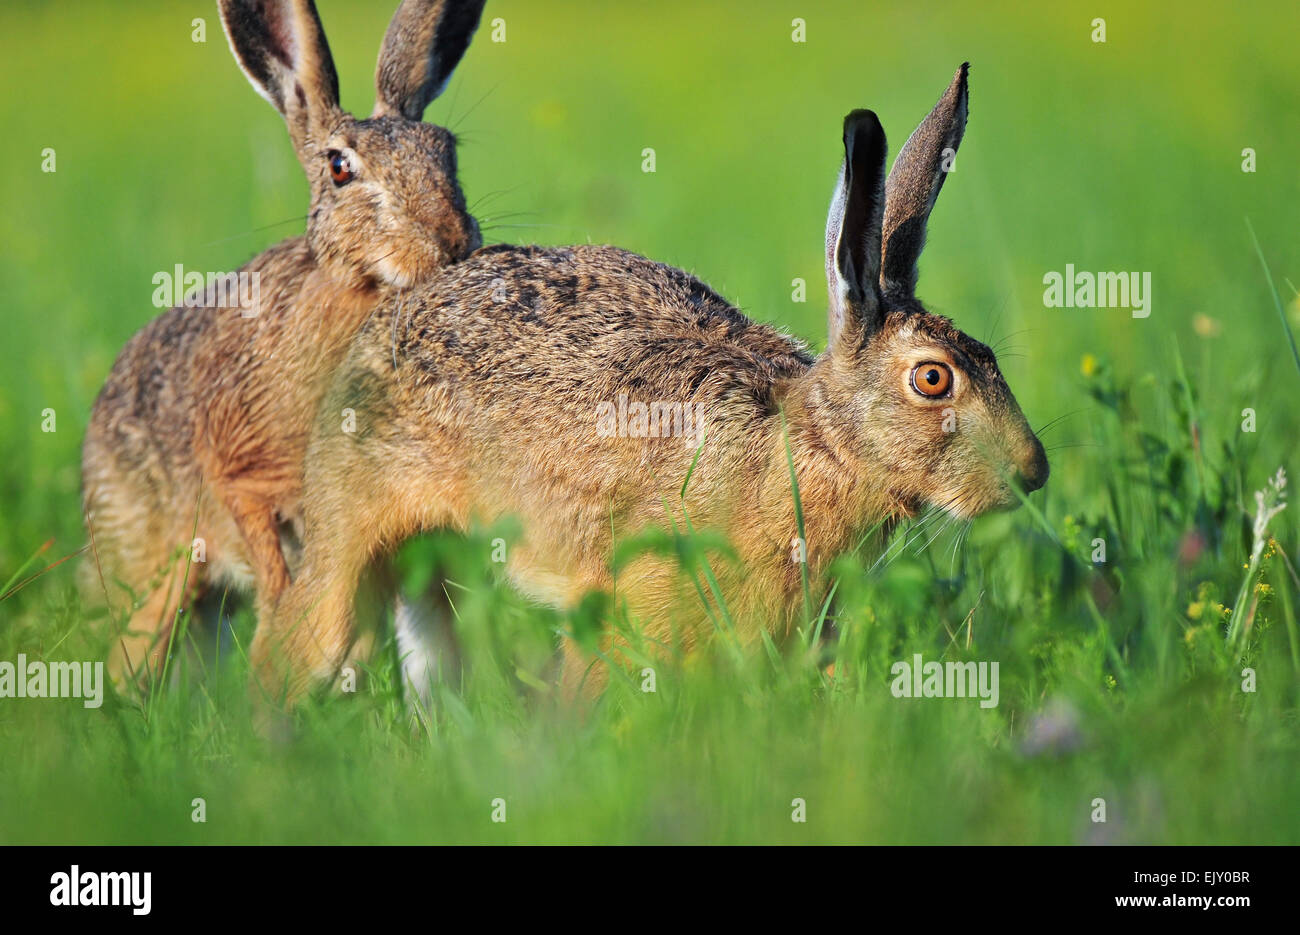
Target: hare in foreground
485 401
200 429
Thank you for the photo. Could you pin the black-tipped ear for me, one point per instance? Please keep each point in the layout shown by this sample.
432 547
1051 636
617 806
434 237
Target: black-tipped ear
424 43
853 230
281 47
919 172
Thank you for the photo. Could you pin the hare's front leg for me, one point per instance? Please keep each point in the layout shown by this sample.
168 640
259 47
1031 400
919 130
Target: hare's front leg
255 519
303 638
139 651
350 515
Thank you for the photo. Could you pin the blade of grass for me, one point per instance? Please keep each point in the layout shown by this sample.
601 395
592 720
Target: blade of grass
1277 300
4 595
45 547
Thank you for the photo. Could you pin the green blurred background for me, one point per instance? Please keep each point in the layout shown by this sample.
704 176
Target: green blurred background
1123 155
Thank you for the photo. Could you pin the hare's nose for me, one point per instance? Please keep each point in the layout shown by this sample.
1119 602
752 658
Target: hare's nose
1032 472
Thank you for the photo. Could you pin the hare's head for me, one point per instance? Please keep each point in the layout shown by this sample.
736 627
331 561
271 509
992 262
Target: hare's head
917 399
386 205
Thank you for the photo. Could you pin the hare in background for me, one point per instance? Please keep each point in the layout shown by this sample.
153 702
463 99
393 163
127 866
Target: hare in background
200 429
479 397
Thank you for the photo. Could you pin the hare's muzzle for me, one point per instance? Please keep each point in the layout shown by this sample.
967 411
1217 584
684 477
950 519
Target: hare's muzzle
1032 471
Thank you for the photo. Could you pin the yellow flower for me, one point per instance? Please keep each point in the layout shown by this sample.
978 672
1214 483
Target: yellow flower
1088 366
1205 326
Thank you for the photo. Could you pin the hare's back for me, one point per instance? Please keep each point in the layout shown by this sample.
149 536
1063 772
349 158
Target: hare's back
590 318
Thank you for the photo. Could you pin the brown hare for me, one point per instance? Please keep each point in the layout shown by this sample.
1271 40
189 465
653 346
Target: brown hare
200 429
484 396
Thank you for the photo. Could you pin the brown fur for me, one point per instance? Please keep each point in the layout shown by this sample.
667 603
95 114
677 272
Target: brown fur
200 429
477 397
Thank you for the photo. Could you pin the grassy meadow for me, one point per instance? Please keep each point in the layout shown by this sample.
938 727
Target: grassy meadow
1120 680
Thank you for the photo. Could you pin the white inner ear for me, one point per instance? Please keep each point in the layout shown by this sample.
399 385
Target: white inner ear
257 86
837 284
292 27
841 299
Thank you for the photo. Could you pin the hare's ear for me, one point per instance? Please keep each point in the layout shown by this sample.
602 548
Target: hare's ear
281 47
919 171
853 231
423 45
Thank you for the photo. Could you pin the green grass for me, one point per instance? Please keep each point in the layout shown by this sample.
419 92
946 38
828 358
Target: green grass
1119 156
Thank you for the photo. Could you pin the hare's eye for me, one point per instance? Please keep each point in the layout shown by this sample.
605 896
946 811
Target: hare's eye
340 168
931 379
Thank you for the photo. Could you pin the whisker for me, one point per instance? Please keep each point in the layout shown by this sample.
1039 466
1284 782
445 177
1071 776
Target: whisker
1051 422
455 98
397 317
937 533
1072 445
471 110
1007 337
255 230
492 219
998 317
909 534
500 226
957 541
488 196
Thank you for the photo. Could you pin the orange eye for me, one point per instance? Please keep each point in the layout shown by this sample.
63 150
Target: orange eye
340 169
931 379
